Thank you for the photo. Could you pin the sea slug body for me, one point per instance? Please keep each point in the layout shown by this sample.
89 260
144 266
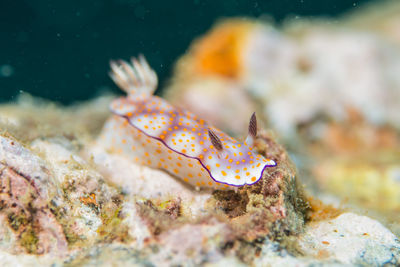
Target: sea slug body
152 132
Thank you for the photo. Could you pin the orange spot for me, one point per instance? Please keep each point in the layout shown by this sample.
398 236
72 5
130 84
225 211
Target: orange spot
91 199
217 165
223 173
237 177
247 173
183 150
237 171
210 157
253 178
124 141
176 171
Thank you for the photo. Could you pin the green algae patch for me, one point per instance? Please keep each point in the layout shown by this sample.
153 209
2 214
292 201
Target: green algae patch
113 228
29 240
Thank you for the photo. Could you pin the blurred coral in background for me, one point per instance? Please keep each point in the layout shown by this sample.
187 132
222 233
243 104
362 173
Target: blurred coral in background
329 90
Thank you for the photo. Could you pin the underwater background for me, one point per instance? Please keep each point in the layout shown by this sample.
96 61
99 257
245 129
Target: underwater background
59 50
90 178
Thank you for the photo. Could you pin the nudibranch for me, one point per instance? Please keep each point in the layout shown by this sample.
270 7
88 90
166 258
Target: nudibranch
152 132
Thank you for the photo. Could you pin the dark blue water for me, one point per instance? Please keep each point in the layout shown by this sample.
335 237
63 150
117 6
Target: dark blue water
59 49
